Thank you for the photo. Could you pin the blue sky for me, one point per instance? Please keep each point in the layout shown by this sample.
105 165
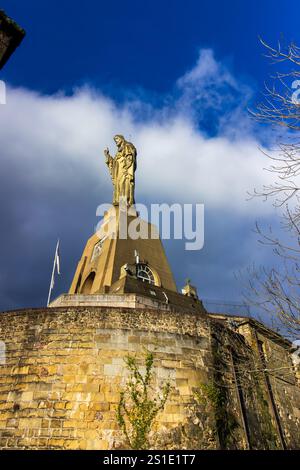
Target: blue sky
177 78
144 44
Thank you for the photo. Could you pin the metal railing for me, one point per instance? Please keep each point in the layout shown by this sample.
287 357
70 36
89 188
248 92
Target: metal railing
227 306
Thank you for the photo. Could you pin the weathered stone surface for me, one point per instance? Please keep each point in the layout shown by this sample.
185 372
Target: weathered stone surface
64 369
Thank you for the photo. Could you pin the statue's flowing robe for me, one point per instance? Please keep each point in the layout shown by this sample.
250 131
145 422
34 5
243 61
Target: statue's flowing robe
122 172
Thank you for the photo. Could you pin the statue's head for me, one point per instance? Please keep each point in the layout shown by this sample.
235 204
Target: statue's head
119 139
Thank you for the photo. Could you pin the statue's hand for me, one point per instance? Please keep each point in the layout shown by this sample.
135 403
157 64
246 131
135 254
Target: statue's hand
106 153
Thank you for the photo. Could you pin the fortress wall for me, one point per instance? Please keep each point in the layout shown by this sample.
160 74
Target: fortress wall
63 370
285 387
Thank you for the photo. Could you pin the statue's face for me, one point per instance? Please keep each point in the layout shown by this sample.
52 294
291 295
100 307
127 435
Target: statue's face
118 140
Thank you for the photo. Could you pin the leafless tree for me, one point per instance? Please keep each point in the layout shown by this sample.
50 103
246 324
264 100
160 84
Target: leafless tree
277 290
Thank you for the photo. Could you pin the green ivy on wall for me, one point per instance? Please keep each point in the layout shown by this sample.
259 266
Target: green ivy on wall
137 408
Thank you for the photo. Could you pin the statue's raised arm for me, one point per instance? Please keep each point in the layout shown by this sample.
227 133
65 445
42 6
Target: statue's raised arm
109 162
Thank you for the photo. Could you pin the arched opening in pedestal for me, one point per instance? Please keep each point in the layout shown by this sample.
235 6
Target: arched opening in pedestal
88 283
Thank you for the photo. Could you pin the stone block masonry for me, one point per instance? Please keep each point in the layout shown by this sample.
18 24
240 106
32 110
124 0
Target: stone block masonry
63 369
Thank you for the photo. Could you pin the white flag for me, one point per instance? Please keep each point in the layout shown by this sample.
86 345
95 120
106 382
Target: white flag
57 260
56 265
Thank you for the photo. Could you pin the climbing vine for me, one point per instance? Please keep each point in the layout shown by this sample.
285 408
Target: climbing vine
268 431
138 407
226 422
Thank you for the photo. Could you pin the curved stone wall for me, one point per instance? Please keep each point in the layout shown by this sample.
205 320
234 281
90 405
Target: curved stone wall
64 368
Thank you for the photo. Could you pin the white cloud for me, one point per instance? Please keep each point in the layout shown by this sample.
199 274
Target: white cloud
180 163
52 166
209 88
58 141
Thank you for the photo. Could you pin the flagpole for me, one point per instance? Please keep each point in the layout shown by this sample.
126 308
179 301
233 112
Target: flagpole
52 276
